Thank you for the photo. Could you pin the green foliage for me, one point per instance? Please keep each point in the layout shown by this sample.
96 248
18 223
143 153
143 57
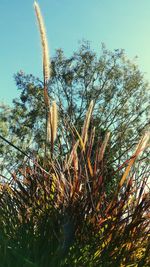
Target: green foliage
69 205
114 83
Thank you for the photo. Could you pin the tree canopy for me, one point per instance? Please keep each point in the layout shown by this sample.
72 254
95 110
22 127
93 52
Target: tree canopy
115 83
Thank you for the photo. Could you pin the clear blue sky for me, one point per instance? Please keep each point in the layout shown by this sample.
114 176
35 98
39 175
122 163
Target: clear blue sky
117 23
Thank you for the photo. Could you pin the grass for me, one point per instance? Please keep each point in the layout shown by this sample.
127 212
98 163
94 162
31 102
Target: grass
57 210
62 216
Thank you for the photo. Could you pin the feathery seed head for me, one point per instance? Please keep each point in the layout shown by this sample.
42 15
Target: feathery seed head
46 61
54 119
52 123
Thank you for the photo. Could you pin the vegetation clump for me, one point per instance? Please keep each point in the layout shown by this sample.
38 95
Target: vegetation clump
71 204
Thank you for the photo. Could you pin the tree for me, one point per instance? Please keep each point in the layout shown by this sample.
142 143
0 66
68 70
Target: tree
116 85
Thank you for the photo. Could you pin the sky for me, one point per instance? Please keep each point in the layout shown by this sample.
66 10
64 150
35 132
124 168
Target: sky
117 23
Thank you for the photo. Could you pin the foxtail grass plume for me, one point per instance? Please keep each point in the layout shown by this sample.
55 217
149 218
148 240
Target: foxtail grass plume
54 119
48 126
52 123
44 42
46 66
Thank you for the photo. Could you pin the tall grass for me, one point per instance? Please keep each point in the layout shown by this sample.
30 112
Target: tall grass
63 217
59 213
